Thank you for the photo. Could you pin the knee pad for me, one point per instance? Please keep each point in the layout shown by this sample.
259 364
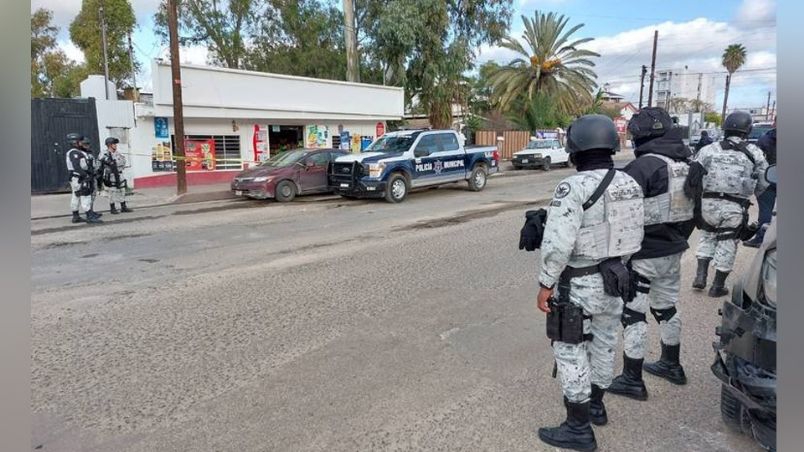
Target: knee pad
663 315
631 317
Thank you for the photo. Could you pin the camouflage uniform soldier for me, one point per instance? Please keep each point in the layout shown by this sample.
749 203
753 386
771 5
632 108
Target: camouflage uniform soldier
113 163
80 171
661 170
733 170
581 235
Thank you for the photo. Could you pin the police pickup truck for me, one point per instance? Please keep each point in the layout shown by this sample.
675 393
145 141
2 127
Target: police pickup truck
400 161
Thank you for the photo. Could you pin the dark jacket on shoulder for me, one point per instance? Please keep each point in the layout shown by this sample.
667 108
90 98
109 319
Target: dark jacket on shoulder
651 174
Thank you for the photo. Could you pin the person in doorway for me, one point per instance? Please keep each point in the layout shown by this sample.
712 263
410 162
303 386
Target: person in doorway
593 223
113 162
80 172
660 169
724 175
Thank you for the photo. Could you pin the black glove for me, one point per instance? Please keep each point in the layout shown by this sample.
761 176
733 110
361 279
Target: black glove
530 237
616 278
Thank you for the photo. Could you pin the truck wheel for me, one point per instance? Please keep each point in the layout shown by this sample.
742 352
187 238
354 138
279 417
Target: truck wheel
517 167
477 180
397 188
731 409
285 191
546 164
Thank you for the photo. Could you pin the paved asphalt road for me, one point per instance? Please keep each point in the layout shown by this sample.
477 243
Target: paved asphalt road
346 325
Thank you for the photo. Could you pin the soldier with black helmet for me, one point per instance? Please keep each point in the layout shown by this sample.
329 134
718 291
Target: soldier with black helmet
660 169
723 176
81 172
594 223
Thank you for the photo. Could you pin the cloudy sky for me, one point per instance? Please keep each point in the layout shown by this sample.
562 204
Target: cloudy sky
692 33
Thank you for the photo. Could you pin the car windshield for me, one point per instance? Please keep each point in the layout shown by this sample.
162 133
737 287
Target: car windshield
539 145
395 143
286 158
758 131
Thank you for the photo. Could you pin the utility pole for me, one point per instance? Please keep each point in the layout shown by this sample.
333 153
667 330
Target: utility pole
105 55
652 67
352 68
725 97
698 96
178 108
642 84
767 108
133 69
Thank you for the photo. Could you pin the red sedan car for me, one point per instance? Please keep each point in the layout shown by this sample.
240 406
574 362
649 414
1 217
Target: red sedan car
286 175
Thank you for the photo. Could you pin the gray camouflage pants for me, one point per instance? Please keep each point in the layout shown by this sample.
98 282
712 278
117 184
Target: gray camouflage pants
664 274
581 365
85 202
722 214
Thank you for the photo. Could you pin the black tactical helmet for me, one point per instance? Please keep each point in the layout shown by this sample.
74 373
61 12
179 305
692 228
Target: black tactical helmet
650 122
592 132
111 140
74 138
738 121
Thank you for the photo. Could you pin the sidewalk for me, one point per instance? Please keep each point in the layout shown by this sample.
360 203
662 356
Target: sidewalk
58 205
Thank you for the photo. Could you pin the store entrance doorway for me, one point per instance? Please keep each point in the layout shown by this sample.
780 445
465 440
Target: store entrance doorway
283 138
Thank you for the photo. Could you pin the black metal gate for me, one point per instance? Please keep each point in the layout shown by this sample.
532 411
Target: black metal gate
51 121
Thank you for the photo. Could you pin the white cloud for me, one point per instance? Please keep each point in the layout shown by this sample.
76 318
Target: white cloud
196 54
72 51
756 13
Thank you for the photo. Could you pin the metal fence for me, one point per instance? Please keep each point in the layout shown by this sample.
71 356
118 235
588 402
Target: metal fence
51 121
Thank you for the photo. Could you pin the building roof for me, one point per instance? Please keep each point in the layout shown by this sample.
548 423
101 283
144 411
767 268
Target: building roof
213 92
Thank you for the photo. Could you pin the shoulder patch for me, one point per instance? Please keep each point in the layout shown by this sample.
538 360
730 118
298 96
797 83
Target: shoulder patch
562 190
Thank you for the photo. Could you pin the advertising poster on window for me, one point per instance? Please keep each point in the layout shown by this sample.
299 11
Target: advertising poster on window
346 140
259 143
200 154
162 157
316 136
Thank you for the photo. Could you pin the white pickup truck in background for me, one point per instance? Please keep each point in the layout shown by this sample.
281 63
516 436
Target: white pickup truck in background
541 153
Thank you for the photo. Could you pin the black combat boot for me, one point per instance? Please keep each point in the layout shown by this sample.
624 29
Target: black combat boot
700 275
93 214
575 433
124 208
93 219
77 218
668 366
112 209
630 383
597 410
718 288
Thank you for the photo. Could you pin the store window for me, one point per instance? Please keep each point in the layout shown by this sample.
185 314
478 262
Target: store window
227 149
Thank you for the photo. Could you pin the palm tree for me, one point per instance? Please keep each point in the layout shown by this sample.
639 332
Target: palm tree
550 65
733 59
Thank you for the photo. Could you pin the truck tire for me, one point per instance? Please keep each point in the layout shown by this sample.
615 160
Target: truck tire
546 164
731 409
397 189
478 178
285 191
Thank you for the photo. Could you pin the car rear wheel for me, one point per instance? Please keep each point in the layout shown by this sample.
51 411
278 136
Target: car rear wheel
478 178
397 188
546 164
517 167
285 191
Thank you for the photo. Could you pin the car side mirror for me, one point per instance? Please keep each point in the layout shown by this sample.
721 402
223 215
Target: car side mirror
771 175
